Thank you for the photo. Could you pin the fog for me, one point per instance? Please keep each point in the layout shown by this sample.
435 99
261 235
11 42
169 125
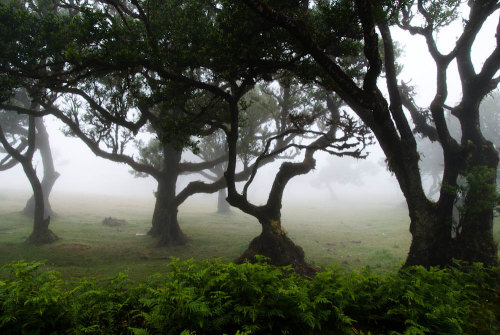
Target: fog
334 181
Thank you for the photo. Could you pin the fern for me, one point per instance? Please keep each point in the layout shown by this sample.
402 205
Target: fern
213 297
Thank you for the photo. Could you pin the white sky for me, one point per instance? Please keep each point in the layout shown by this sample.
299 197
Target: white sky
83 172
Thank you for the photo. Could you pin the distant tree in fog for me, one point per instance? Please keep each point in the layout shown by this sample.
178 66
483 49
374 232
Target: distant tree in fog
212 146
343 171
20 137
16 126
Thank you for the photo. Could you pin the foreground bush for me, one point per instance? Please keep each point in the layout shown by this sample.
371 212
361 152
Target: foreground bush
213 297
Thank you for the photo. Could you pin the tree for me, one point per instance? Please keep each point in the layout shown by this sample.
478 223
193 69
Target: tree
116 108
15 124
21 96
19 141
432 240
211 147
341 136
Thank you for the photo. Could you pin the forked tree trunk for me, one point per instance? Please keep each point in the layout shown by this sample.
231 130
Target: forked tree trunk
41 233
274 243
430 222
49 173
165 225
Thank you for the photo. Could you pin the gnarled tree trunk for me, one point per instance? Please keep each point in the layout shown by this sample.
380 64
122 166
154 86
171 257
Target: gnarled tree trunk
165 225
274 243
41 233
431 235
49 173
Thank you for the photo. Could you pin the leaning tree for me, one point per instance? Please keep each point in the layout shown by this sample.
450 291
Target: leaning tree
16 124
30 132
339 135
18 137
433 242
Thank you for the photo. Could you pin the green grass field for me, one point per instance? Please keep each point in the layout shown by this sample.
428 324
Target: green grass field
352 236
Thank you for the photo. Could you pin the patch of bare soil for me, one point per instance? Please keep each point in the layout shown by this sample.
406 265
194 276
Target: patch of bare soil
72 246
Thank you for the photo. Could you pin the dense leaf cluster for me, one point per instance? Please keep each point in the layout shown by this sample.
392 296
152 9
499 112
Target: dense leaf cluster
213 297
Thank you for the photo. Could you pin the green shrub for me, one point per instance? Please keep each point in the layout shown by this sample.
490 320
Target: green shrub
34 302
105 308
213 297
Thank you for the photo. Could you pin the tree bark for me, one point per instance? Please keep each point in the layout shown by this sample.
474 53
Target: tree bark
165 225
41 233
50 175
274 243
431 235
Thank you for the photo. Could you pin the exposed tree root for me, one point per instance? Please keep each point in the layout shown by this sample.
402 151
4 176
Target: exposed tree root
281 251
42 237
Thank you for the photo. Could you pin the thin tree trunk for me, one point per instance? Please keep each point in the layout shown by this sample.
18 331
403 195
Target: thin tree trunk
49 173
223 206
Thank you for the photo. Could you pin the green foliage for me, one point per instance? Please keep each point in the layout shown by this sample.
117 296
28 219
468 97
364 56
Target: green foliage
480 186
107 308
33 302
213 297
435 13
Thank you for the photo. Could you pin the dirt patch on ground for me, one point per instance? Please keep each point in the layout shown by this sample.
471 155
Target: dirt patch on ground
72 246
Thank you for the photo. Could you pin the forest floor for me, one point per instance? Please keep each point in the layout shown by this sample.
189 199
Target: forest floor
352 236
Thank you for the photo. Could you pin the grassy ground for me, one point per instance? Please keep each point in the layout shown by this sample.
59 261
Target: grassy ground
352 236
